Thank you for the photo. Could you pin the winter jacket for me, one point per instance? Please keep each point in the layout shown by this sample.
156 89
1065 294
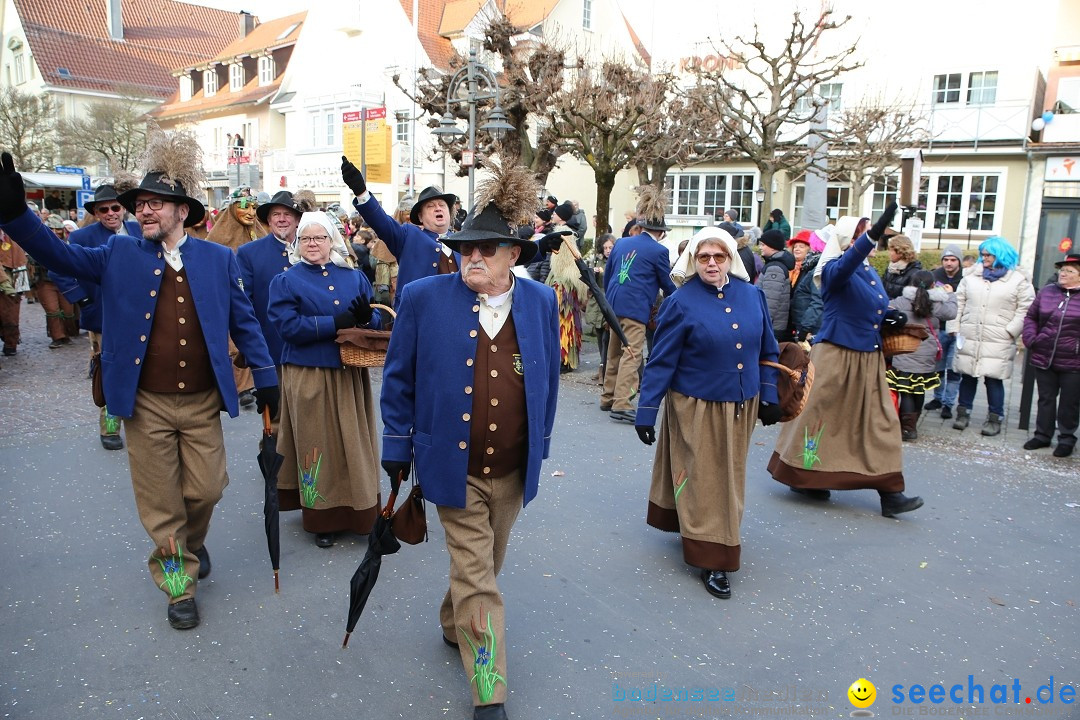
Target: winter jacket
991 319
925 358
806 300
782 225
747 257
1052 329
896 281
775 284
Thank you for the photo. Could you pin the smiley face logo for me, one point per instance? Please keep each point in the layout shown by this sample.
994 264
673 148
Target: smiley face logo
862 693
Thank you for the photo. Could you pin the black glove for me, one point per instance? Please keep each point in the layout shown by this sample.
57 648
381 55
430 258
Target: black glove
344 320
646 433
552 241
12 190
895 319
768 413
268 397
352 177
361 310
394 468
882 222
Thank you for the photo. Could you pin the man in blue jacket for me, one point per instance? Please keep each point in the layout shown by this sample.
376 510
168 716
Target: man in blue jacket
109 214
637 269
170 303
418 246
469 393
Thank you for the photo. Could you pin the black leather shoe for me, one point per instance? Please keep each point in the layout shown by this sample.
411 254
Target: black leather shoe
324 540
204 561
1063 450
448 642
812 493
934 404
1035 443
112 442
946 412
489 712
603 407
624 416
184 615
716 583
9 350
892 504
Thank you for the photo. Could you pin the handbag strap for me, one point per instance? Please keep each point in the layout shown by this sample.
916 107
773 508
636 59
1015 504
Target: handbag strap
796 375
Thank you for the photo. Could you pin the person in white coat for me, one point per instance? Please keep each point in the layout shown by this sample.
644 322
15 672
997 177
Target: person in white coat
991 302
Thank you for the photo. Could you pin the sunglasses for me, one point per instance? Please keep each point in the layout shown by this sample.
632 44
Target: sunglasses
102 209
704 258
487 249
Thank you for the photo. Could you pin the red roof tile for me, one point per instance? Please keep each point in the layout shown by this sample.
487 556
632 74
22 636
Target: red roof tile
159 35
438 49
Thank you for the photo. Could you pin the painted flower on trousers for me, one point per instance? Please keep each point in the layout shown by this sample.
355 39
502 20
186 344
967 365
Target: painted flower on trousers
811 445
176 580
309 480
483 644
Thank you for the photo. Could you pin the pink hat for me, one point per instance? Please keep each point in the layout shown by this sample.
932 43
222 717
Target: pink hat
816 243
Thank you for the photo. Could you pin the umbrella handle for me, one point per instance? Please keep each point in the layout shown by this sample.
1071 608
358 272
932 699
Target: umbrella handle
571 246
388 510
266 420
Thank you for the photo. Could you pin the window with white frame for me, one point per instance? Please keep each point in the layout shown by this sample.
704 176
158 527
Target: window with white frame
209 80
837 201
950 197
886 190
324 128
947 88
185 87
968 201
266 70
982 88
711 193
20 68
828 92
236 77
402 127
586 14
982 198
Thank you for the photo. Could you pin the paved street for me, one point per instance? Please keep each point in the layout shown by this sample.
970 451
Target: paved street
981 582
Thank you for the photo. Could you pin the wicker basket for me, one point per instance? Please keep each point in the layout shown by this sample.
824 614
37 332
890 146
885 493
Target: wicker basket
900 343
360 347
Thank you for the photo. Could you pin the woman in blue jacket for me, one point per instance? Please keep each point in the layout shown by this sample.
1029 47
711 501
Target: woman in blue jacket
710 336
327 434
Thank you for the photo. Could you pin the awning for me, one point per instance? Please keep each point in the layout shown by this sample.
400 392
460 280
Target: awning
52 180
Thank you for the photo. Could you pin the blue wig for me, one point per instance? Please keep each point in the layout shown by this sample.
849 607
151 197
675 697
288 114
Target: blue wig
1005 256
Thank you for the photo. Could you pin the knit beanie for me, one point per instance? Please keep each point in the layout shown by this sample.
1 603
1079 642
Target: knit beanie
774 239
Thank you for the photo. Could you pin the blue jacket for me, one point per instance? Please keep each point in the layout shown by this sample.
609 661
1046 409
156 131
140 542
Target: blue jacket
129 271
260 262
637 269
428 377
417 250
303 303
75 291
853 300
708 344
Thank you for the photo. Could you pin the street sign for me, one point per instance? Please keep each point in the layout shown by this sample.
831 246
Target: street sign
468 158
85 182
65 170
378 113
81 198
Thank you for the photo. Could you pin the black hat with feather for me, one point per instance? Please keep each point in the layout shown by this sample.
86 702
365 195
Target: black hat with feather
173 162
651 206
504 202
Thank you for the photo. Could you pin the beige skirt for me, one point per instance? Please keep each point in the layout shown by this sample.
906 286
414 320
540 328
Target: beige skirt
327 437
848 435
699 477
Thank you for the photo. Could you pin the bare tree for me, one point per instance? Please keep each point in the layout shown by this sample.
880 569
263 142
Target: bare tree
530 76
113 131
866 141
757 92
28 129
601 118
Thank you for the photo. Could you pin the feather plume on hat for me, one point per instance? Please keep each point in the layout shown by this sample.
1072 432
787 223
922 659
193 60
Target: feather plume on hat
177 156
124 181
652 202
305 201
514 190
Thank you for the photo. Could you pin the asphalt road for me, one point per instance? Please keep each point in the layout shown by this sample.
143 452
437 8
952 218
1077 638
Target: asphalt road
979 582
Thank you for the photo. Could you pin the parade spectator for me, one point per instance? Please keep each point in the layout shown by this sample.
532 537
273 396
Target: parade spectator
540 267
991 302
805 293
13 260
704 366
417 245
636 271
912 374
108 216
328 417
570 295
61 321
848 435
775 280
1052 337
551 202
746 254
469 395
631 221
968 260
578 223
593 316
903 263
777 221
948 278
165 364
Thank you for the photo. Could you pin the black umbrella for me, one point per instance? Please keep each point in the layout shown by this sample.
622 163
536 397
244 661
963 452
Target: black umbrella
270 463
381 542
589 279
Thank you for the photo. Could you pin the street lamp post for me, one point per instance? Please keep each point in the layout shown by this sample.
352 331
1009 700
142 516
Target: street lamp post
942 208
480 85
760 197
972 214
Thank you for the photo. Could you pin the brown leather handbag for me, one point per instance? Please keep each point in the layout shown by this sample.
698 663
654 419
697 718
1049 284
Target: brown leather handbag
409 523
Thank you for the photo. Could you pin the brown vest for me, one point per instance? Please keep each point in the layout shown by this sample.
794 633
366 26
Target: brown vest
498 433
177 360
447 265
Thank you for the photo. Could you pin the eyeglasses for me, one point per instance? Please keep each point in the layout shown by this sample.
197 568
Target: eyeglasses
314 239
102 209
705 258
487 249
982 254
152 203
